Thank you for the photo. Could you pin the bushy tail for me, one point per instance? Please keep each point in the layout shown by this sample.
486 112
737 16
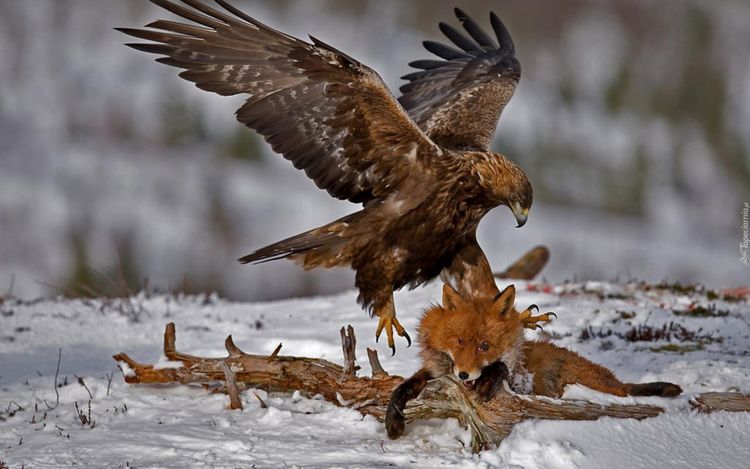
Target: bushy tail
318 247
658 388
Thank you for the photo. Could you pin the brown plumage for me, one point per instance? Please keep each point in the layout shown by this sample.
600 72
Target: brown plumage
425 181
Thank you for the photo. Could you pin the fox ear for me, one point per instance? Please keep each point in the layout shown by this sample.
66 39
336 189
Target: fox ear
505 300
451 298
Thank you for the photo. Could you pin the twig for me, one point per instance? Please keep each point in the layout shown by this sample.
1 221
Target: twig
80 381
57 372
275 352
85 418
263 404
15 404
109 381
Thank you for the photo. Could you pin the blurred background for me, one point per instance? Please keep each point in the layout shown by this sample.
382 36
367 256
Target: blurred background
631 120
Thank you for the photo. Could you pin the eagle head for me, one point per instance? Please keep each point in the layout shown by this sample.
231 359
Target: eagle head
521 198
506 184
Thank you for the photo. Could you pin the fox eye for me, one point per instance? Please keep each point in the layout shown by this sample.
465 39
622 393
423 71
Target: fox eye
460 341
484 346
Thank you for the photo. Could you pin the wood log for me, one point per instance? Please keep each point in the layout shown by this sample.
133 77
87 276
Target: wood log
528 266
489 422
278 373
727 401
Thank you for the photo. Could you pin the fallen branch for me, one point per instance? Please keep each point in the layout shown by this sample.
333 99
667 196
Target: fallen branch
528 266
490 422
727 401
310 376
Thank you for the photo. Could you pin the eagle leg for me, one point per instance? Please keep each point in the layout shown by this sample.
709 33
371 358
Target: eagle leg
530 321
388 321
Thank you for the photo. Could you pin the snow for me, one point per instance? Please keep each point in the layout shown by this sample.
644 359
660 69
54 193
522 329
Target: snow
186 426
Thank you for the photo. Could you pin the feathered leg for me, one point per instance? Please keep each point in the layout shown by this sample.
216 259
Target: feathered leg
469 273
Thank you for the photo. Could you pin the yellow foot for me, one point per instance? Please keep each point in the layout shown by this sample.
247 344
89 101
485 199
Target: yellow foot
531 322
389 322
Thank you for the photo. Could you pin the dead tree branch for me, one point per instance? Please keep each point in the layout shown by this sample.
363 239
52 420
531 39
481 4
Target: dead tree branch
310 376
490 422
528 266
727 401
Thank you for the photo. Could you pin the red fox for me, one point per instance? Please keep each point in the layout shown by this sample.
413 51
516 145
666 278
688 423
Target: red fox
481 343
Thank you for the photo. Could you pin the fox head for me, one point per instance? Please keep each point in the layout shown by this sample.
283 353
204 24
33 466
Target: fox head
463 335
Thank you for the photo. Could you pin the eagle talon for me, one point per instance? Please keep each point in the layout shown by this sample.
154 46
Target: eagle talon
388 322
531 322
408 339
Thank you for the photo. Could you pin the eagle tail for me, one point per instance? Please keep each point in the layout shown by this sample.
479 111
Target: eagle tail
320 247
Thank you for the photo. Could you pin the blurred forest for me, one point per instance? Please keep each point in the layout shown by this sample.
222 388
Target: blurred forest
631 120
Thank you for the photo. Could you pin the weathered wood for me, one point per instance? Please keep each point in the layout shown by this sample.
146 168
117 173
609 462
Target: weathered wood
275 352
727 401
528 266
349 349
231 384
310 376
492 421
375 366
489 422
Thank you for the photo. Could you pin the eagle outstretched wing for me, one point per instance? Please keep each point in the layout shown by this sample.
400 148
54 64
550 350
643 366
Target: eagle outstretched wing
330 115
458 101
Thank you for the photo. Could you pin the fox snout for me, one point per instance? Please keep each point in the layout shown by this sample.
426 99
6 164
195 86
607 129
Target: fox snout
467 376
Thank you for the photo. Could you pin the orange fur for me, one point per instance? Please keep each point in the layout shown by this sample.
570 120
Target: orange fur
498 324
481 342
555 367
451 336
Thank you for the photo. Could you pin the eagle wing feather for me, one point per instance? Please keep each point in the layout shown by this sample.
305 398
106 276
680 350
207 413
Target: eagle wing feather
458 101
327 113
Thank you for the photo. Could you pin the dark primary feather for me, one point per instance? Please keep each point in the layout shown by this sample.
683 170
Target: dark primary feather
475 30
458 101
330 115
458 39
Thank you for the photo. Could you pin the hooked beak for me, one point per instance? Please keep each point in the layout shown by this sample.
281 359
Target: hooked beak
521 214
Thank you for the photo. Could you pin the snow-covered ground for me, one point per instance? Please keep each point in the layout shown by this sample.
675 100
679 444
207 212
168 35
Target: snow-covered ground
183 426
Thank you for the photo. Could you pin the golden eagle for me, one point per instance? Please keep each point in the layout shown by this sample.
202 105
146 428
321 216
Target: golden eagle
420 165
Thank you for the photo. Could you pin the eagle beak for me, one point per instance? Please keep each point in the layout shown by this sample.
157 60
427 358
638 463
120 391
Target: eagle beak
521 214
